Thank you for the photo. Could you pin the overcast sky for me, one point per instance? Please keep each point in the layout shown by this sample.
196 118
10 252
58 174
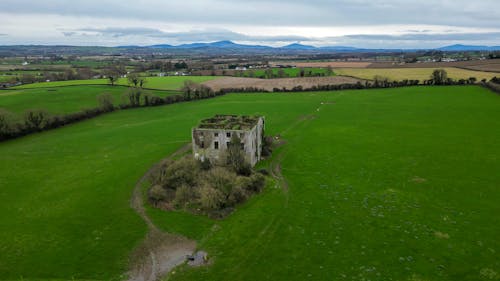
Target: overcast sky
359 23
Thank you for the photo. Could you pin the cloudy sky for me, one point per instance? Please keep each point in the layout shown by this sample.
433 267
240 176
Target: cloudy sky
359 23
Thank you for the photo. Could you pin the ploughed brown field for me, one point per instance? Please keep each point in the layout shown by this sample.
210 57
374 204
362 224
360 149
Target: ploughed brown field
270 84
479 65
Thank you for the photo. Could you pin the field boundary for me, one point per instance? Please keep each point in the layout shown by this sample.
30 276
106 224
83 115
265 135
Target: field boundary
80 85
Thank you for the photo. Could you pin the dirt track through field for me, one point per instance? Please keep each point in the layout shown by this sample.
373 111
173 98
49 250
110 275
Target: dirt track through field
159 252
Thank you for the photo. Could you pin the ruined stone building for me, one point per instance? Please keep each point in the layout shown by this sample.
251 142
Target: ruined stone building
212 137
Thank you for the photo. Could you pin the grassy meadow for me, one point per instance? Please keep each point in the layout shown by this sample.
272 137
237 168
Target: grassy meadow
421 74
159 83
62 99
393 184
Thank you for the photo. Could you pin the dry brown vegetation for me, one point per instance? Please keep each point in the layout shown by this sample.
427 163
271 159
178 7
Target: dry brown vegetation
424 73
199 187
492 65
480 65
270 84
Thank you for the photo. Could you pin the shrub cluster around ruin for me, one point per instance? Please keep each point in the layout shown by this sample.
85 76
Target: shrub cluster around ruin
200 187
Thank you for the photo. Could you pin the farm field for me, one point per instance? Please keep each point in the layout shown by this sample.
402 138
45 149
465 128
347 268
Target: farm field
159 83
62 99
289 72
490 65
393 184
323 64
280 83
412 73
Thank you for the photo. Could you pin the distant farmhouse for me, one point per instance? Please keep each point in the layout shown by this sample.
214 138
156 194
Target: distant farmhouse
211 139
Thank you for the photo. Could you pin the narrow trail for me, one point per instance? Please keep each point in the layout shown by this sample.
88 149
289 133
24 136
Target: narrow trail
160 252
275 165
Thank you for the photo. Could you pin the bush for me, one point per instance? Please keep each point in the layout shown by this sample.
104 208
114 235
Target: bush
205 165
157 193
267 144
182 172
236 196
105 102
183 195
184 184
251 184
6 124
258 182
211 198
36 119
220 179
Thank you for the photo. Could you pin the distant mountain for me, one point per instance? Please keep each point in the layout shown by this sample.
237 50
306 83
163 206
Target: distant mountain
161 46
224 46
339 48
458 48
297 46
216 48
128 47
213 45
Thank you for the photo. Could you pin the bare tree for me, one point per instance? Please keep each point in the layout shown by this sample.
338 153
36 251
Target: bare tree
133 79
35 119
106 102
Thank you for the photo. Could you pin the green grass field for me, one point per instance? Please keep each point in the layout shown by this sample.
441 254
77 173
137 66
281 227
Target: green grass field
159 83
62 99
394 184
289 72
421 74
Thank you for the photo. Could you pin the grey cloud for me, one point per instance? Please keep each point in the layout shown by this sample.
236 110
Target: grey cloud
276 12
123 31
208 35
430 37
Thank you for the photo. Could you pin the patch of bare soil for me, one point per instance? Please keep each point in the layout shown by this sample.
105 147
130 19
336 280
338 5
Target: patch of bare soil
159 252
270 84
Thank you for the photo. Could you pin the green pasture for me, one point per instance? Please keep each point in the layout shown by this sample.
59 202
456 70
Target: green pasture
63 99
160 83
383 184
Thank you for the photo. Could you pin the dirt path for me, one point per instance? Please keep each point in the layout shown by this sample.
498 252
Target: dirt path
159 252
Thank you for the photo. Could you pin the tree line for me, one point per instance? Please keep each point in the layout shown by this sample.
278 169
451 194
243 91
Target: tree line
37 120
269 73
493 84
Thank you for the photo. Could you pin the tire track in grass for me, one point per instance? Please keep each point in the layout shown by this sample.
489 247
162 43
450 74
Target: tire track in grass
159 252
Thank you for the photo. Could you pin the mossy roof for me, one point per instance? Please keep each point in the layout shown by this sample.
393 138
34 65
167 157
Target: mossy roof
230 122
